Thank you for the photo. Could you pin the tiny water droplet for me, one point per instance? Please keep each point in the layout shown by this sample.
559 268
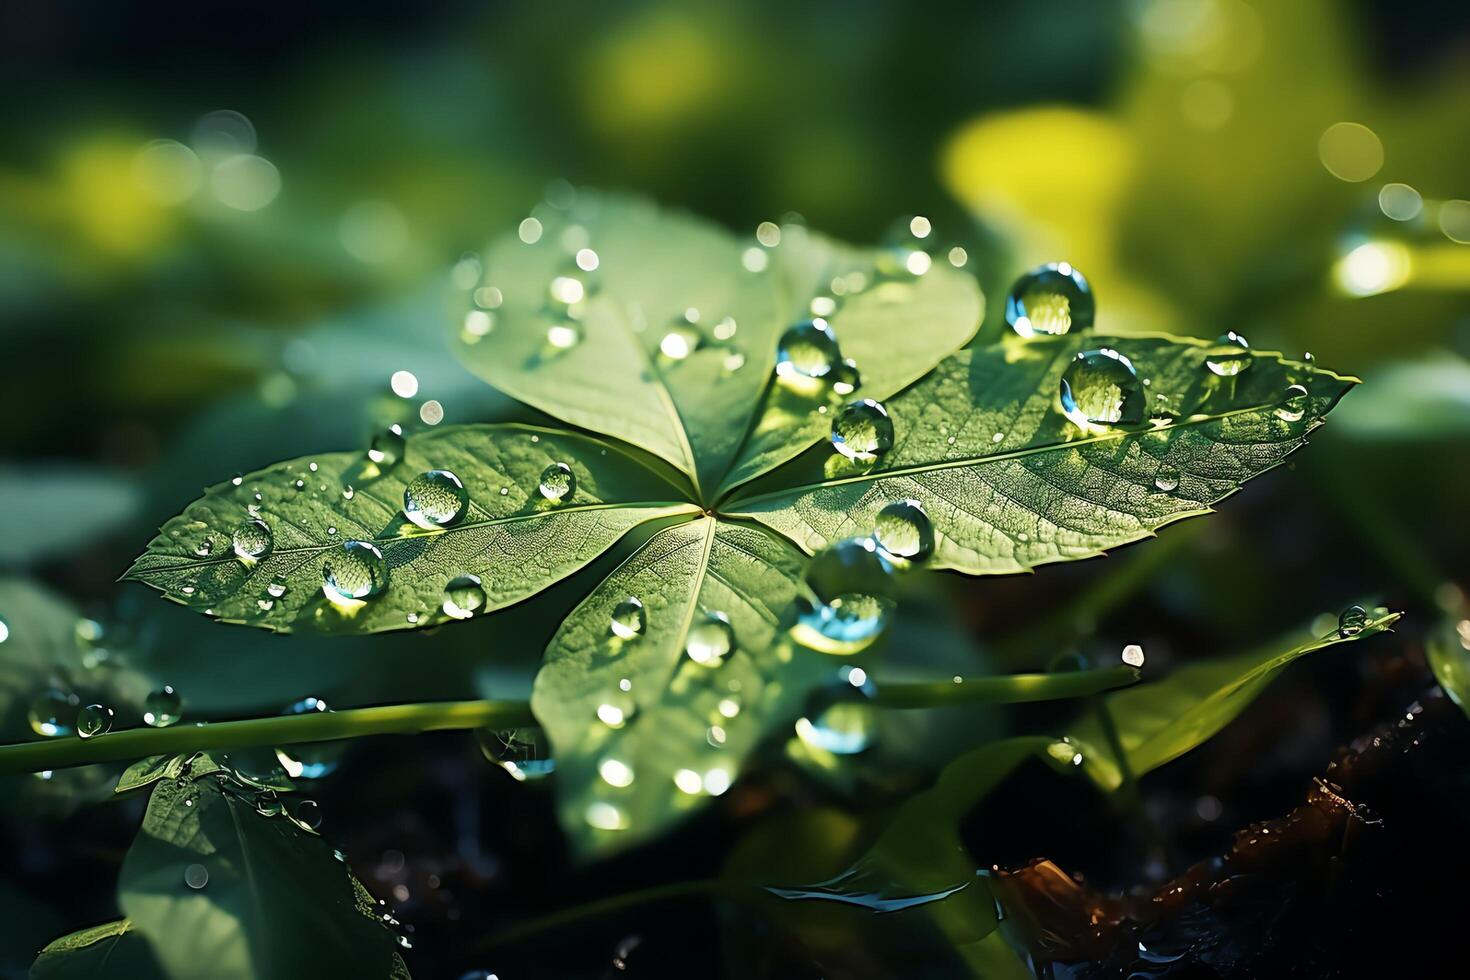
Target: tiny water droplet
1229 356
188 589
1100 390
204 548
1295 405
348 493
1354 620
807 350
681 340
616 772
1050 300
299 485
163 707
558 483
711 639
606 816
277 588
53 713
354 570
1065 752
331 529
237 479
252 540
94 720
435 499
463 597
525 753
1133 655
904 532
629 618
862 430
1167 478
387 446
846 378
196 876
563 336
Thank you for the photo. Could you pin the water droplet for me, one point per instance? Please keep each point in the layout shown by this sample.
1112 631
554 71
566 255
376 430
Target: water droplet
682 339
434 499
1100 390
299 485
1229 356
849 589
237 479
1050 300
711 639
204 548
196 876
904 532
862 430
53 713
1354 620
563 336
1133 655
1065 752
252 540
846 378
606 816
558 483
277 588
1167 478
842 728
387 446
348 493
163 707
268 804
463 597
309 760
354 570
616 772
309 813
94 720
1295 405
629 618
807 350
525 753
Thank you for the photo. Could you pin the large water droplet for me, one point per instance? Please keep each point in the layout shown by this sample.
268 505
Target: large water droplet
94 720
463 597
163 707
681 340
53 713
434 499
1295 405
1229 356
629 618
862 430
904 532
1100 390
387 446
807 350
849 588
1167 478
525 753
196 876
843 728
1052 299
1354 620
354 570
558 483
711 639
309 760
252 540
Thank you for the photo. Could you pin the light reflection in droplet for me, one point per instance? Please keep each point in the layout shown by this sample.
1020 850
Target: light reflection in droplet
768 233
404 384
1350 151
530 231
1400 202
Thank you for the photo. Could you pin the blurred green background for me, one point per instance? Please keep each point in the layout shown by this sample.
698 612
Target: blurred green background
223 230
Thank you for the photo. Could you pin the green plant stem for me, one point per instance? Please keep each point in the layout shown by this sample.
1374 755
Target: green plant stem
1005 689
603 906
1127 794
139 743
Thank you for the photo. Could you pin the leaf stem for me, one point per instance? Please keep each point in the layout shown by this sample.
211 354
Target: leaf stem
602 906
1005 689
138 743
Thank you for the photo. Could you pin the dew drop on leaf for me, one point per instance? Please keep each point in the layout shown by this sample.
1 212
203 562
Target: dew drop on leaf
1229 355
1133 655
196 876
681 340
563 336
309 813
94 720
711 639
904 532
162 707
1167 478
862 430
525 753
387 446
277 587
846 378
1295 405
558 483
1065 752
204 548
463 597
842 728
1050 300
354 570
848 598
348 493
807 350
252 540
52 713
629 618
1100 390
1354 620
434 499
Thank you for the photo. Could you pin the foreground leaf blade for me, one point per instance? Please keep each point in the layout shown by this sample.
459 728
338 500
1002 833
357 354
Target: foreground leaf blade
1160 721
510 537
682 728
112 951
1010 483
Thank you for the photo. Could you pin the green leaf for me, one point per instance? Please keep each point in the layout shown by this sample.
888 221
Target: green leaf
1160 721
112 950
273 900
1422 400
1010 483
1448 652
653 267
896 330
682 720
509 536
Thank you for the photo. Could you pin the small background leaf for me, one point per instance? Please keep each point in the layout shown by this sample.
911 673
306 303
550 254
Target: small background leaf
112 951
